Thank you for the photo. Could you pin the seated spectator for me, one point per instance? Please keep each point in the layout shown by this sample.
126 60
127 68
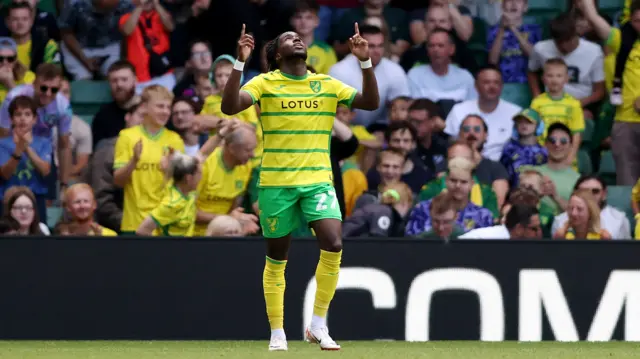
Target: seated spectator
146 31
395 19
398 111
305 21
19 203
225 177
473 132
12 72
354 184
200 63
431 146
511 42
391 79
389 167
524 149
139 153
521 222
365 156
183 122
43 22
90 36
108 196
437 17
583 218
459 18
583 58
25 158
529 194
443 214
441 80
33 47
559 176
481 193
496 113
401 136
109 120
81 140
384 219
9 226
224 226
80 205
204 88
612 219
176 215
557 106
459 183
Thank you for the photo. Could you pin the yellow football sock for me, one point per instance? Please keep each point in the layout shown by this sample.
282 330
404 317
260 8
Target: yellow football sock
273 282
327 279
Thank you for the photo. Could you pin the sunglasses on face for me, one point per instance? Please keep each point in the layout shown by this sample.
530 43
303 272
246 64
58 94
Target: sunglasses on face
45 89
8 59
475 129
555 140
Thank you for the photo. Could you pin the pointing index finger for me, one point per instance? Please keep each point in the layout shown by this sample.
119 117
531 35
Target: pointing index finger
357 29
243 29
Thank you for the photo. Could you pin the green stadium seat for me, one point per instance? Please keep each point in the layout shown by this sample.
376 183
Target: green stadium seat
587 135
584 163
607 167
519 94
546 5
620 197
88 96
610 5
54 213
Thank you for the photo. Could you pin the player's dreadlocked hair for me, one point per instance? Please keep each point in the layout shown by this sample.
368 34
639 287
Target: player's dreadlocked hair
272 49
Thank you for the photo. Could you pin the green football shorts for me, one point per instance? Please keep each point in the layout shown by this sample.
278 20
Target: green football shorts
283 209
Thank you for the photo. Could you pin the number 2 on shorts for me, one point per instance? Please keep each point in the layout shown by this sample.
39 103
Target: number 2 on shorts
323 198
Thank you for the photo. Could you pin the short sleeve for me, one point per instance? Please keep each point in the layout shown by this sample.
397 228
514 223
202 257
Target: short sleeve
44 150
452 124
535 105
535 34
491 35
399 87
534 60
82 133
614 40
5 152
576 124
597 68
67 18
499 171
254 88
345 93
164 214
123 151
66 115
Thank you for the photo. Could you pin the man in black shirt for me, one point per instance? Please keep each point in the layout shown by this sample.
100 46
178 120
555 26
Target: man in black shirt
432 144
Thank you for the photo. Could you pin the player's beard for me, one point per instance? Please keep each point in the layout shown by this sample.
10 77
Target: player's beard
302 56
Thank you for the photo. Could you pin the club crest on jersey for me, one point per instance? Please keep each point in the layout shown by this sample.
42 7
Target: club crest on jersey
316 86
272 222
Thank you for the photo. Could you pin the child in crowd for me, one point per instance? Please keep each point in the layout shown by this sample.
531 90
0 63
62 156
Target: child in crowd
556 105
398 111
305 21
510 42
204 88
25 159
524 149
365 156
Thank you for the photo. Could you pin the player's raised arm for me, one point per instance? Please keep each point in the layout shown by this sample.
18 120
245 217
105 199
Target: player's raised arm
234 100
369 99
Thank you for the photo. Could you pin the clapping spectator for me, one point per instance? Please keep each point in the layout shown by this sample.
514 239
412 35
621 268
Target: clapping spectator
12 72
511 41
110 119
524 149
33 47
459 183
81 140
90 36
612 219
146 30
25 158
384 219
80 205
19 203
584 218
140 154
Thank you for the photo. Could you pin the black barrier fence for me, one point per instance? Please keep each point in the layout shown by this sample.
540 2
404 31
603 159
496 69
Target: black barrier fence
388 289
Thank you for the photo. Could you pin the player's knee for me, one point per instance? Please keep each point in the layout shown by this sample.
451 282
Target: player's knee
334 244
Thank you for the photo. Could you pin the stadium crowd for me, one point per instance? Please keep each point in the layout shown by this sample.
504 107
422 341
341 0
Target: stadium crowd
497 119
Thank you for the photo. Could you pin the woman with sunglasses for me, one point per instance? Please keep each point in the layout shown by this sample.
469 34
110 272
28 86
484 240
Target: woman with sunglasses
20 204
12 72
584 218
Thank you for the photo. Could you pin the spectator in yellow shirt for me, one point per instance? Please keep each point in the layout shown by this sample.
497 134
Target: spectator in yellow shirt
304 21
555 105
635 204
365 156
12 72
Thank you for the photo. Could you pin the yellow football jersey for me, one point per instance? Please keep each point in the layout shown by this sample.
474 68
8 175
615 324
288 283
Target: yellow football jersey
211 107
626 112
147 185
220 186
297 114
566 110
321 56
176 214
361 134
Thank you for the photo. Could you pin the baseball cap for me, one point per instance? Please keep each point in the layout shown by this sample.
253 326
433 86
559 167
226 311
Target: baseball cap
529 114
7 43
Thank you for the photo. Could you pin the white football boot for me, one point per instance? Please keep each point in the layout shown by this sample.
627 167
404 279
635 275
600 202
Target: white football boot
278 344
321 336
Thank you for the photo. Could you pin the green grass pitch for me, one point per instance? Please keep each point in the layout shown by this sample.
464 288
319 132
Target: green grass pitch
258 350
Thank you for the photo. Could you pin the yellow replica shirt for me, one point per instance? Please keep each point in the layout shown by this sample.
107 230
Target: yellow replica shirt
147 185
631 74
176 214
28 78
50 53
104 232
609 71
361 134
566 110
297 114
220 186
590 236
321 56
